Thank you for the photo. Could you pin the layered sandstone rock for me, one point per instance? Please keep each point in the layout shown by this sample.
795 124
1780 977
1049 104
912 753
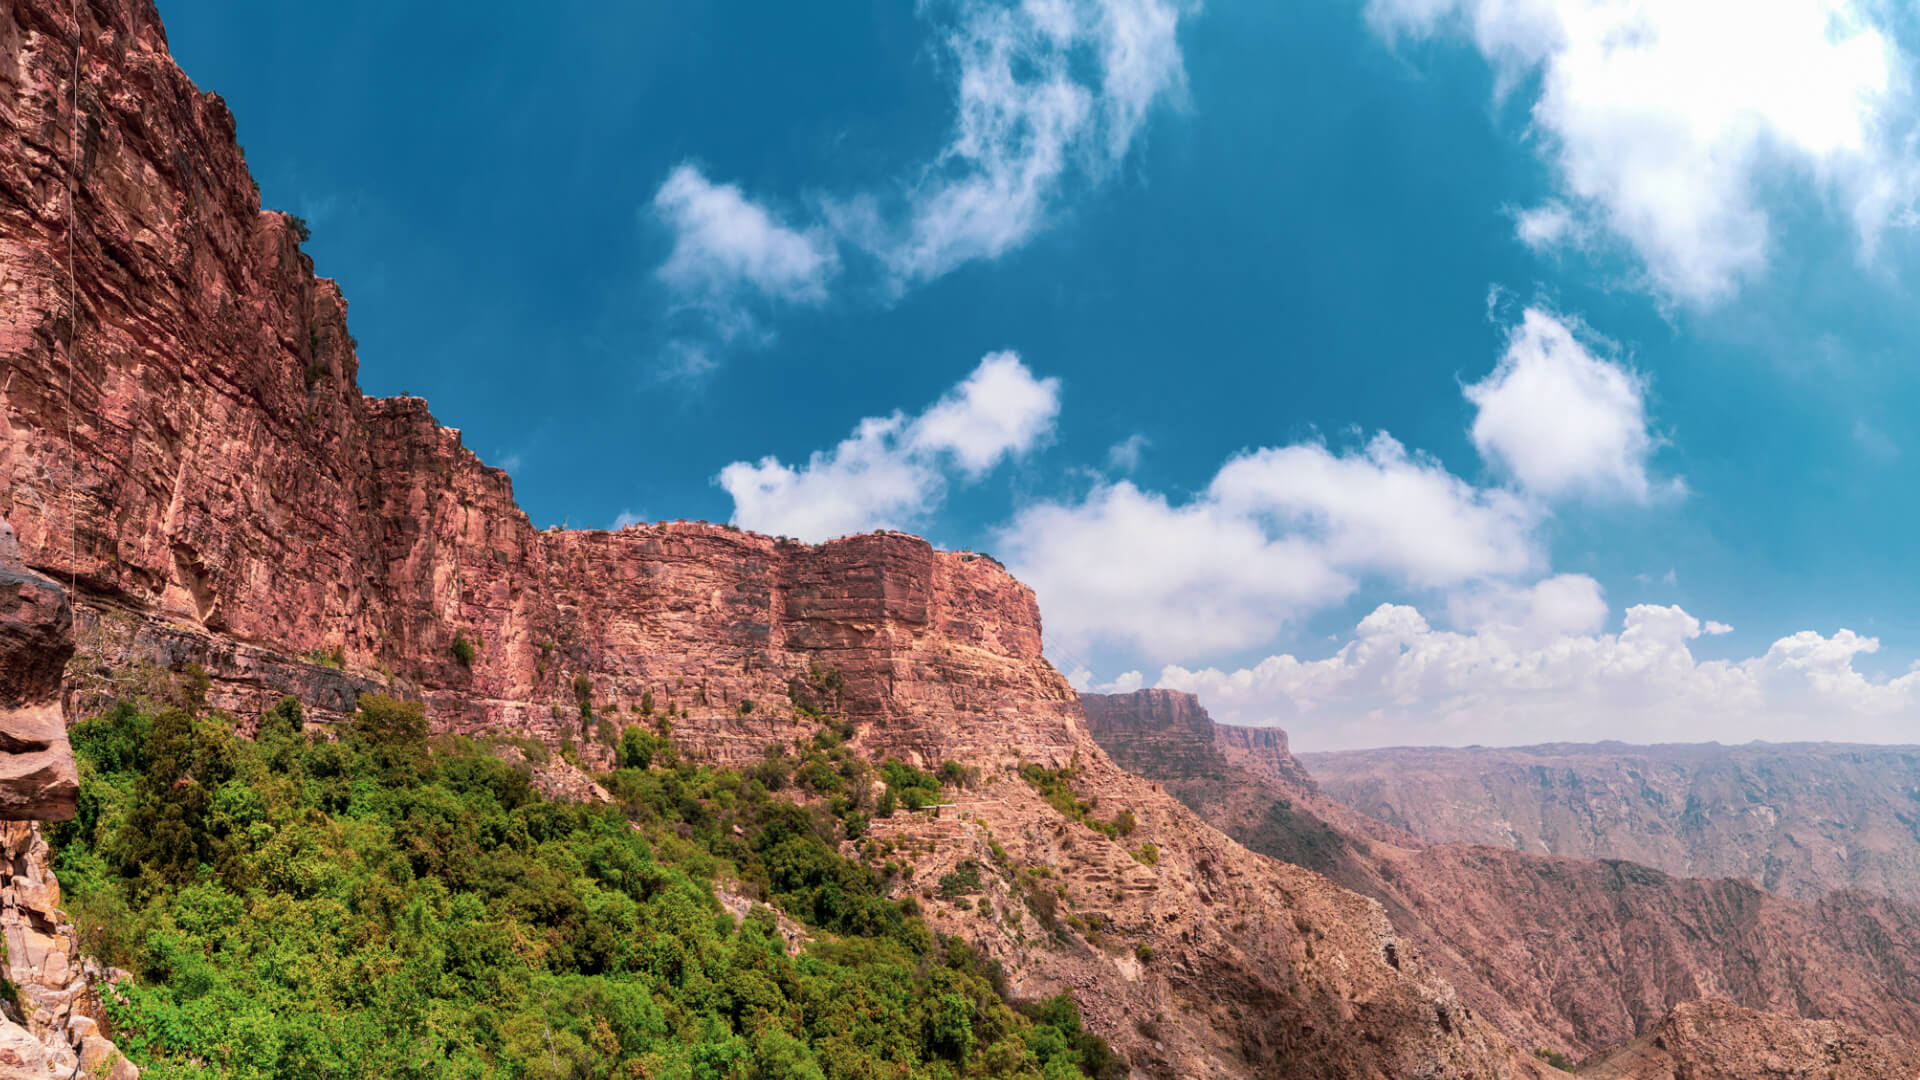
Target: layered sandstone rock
1800 819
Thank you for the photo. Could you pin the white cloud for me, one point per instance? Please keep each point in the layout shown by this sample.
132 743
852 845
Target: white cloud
1028 121
731 257
1281 532
626 518
1717 628
1398 681
1124 455
1278 533
1561 420
1664 123
1049 97
724 243
1559 605
998 410
1547 226
892 470
1082 680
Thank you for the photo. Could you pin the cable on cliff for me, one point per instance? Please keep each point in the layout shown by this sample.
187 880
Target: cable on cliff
73 303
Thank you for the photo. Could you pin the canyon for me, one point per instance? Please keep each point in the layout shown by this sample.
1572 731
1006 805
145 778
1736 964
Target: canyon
184 445
1571 955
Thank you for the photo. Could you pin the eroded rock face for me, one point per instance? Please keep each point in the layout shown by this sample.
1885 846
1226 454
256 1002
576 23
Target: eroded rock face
54 1026
1801 819
37 779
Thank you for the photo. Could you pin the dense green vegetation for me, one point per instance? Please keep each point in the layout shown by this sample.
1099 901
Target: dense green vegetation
1056 786
386 904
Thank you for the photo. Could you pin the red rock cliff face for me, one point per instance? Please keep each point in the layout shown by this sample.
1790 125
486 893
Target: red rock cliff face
199 458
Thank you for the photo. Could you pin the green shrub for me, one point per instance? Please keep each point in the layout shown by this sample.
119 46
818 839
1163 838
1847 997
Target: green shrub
464 650
1147 853
1554 1058
335 657
962 881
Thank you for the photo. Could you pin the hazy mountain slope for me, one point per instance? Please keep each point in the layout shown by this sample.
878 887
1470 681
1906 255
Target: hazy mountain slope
1799 819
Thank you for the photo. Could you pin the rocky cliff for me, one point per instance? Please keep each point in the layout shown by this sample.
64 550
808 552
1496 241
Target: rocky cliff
1798 819
1574 955
200 461
184 439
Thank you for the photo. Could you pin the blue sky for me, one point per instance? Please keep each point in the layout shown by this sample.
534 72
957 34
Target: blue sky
1433 371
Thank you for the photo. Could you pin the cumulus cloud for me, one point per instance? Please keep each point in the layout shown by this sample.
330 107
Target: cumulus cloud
893 469
1665 123
731 257
1399 681
724 242
1558 605
1561 420
1049 97
1278 533
999 409
1082 680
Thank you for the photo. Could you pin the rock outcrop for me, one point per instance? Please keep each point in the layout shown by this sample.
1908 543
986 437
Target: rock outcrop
1573 955
54 1026
1799 819
37 780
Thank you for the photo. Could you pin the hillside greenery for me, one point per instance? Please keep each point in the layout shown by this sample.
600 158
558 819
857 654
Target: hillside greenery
389 904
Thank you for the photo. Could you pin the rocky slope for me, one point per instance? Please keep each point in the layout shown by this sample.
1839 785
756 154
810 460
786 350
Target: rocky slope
50 1014
1715 1040
1574 955
197 457
1800 819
